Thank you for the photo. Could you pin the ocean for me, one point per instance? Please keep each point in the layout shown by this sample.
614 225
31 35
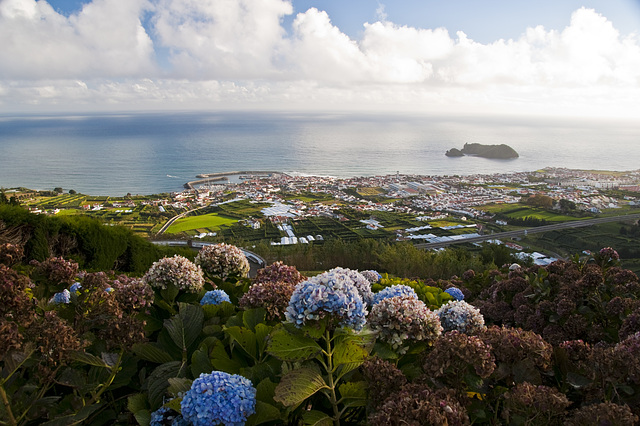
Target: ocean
148 153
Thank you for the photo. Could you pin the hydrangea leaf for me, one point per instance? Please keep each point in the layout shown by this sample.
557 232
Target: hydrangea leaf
143 417
159 381
291 347
150 352
264 413
223 310
185 327
262 331
200 362
137 402
89 359
316 418
354 394
253 317
245 338
349 354
298 385
266 390
178 384
221 361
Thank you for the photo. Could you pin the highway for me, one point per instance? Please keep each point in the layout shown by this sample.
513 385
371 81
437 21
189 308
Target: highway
526 231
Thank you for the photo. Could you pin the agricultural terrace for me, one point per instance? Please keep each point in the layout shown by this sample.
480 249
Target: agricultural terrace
520 211
201 223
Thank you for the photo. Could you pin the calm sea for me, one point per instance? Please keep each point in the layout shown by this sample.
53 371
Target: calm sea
158 152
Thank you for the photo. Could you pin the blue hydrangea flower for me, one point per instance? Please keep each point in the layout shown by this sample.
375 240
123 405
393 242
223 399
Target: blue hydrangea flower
163 415
219 398
455 293
330 294
393 291
372 276
63 297
214 297
75 287
460 316
360 281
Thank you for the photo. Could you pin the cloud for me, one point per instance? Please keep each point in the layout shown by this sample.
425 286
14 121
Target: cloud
106 39
235 53
222 39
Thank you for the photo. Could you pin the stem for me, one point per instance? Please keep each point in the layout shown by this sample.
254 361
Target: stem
114 371
332 385
7 406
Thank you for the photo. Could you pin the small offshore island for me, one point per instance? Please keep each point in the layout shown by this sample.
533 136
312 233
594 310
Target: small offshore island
502 151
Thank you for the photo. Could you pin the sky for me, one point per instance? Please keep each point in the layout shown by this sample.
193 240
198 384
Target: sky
509 57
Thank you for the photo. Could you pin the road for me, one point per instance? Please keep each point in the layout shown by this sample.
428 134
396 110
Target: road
536 230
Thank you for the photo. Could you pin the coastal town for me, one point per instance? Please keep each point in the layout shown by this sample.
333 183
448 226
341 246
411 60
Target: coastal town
285 209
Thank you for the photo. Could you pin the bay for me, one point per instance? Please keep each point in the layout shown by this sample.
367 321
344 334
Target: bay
146 153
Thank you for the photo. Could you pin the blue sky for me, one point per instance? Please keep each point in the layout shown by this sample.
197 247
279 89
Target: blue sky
567 57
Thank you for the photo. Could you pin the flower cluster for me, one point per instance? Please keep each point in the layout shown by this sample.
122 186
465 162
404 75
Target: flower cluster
362 284
455 292
383 378
219 398
132 293
329 294
16 304
222 260
608 253
10 254
167 416
214 297
75 287
461 316
56 270
415 404
176 270
393 291
514 348
61 298
400 319
606 413
371 276
541 405
454 354
272 296
278 271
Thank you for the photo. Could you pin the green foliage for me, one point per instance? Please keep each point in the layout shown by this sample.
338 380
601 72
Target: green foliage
433 297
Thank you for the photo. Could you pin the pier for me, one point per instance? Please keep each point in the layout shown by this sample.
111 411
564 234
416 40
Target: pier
204 178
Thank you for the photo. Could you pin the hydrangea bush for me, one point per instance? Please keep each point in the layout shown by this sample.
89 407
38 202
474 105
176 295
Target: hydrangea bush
362 284
222 260
219 398
461 316
393 291
178 271
214 297
330 295
401 320
273 296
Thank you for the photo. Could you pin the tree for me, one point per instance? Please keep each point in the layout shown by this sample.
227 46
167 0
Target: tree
58 189
540 200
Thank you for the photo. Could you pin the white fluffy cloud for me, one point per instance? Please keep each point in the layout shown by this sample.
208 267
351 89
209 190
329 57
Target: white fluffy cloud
237 53
105 39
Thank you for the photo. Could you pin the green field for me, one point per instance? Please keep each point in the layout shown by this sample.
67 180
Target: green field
519 211
211 221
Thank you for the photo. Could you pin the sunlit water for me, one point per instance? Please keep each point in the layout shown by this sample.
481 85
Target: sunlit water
152 153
